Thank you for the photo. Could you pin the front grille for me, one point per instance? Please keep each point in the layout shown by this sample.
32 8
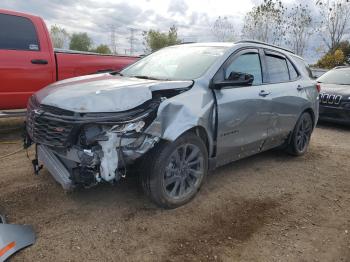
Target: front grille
57 127
44 128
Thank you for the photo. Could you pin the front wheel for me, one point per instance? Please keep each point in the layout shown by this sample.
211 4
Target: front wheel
300 138
175 171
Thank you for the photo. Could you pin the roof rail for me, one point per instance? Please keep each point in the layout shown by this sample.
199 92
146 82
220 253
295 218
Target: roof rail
263 43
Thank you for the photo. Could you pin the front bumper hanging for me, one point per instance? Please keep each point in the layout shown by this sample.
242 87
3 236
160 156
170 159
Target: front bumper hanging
54 166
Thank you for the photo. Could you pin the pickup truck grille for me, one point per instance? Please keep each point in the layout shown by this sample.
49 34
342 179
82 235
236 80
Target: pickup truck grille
46 129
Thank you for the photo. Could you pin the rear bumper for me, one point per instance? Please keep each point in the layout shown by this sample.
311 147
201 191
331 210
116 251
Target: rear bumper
334 114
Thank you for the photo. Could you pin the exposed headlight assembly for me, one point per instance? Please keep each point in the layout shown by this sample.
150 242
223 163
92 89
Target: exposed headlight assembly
124 128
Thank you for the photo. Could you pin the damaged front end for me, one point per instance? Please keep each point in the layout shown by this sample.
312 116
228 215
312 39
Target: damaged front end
83 149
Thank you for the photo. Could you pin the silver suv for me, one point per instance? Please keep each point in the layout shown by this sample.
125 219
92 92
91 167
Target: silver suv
174 115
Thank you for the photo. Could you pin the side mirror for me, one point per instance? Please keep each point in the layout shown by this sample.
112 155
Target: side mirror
235 79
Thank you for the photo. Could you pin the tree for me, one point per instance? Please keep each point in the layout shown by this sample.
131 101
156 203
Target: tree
331 60
102 49
59 36
345 47
155 40
80 42
223 30
265 22
335 15
299 27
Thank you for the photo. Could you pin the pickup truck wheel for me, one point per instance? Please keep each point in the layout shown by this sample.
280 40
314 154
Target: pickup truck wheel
175 171
300 138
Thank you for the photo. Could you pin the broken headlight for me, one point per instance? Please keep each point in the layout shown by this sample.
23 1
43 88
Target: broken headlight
129 127
91 134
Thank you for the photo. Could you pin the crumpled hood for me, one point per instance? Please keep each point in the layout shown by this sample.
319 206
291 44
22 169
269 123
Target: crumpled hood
333 89
103 93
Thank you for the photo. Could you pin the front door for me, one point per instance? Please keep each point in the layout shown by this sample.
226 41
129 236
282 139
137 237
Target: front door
243 112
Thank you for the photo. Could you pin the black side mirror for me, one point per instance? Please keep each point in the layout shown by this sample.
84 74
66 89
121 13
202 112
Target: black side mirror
235 79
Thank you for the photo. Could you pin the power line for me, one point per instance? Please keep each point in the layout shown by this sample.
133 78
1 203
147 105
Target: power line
113 40
132 39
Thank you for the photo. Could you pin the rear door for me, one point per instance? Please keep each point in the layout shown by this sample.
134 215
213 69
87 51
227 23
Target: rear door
26 64
243 113
284 87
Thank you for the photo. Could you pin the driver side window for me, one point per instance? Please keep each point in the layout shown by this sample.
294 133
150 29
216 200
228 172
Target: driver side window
248 63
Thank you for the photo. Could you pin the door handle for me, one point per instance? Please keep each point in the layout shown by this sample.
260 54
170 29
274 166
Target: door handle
39 62
263 93
300 88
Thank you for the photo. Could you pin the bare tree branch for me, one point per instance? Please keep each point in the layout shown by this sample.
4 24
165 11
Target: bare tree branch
335 16
223 30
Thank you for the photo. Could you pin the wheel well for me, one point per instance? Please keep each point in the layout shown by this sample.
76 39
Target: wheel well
312 114
200 131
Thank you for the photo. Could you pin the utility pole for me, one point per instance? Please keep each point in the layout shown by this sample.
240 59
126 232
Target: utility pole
113 40
132 39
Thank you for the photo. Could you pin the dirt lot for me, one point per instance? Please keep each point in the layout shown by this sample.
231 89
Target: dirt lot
270 207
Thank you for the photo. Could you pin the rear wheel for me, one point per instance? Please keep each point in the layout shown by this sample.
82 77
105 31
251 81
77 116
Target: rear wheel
300 138
175 171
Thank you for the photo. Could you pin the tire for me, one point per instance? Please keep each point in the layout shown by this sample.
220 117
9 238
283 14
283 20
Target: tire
300 137
169 180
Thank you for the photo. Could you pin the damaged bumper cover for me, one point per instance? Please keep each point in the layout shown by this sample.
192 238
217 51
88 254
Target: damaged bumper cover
78 166
87 149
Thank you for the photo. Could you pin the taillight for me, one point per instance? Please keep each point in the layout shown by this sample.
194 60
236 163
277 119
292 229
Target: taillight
318 87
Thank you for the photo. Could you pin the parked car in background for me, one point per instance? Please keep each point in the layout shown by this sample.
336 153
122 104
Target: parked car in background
317 72
176 114
28 61
335 95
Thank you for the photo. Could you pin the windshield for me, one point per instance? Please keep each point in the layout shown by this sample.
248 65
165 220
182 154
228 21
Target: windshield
182 62
336 76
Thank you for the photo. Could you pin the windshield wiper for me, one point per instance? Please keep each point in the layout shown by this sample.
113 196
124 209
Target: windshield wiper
146 77
116 73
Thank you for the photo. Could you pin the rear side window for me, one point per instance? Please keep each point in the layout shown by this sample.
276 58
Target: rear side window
292 72
277 69
303 66
17 33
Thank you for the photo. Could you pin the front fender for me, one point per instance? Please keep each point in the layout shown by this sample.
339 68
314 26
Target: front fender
181 113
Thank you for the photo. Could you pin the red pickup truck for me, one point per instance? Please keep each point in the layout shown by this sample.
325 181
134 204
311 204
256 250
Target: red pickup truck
28 61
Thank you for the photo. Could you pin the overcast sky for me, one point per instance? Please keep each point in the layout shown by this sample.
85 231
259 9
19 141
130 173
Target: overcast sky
192 17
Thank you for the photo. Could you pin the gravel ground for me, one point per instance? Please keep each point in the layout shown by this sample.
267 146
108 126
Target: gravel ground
269 207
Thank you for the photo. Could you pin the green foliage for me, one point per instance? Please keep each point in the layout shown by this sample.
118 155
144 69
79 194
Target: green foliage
345 47
339 55
59 36
102 49
80 42
332 59
155 40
